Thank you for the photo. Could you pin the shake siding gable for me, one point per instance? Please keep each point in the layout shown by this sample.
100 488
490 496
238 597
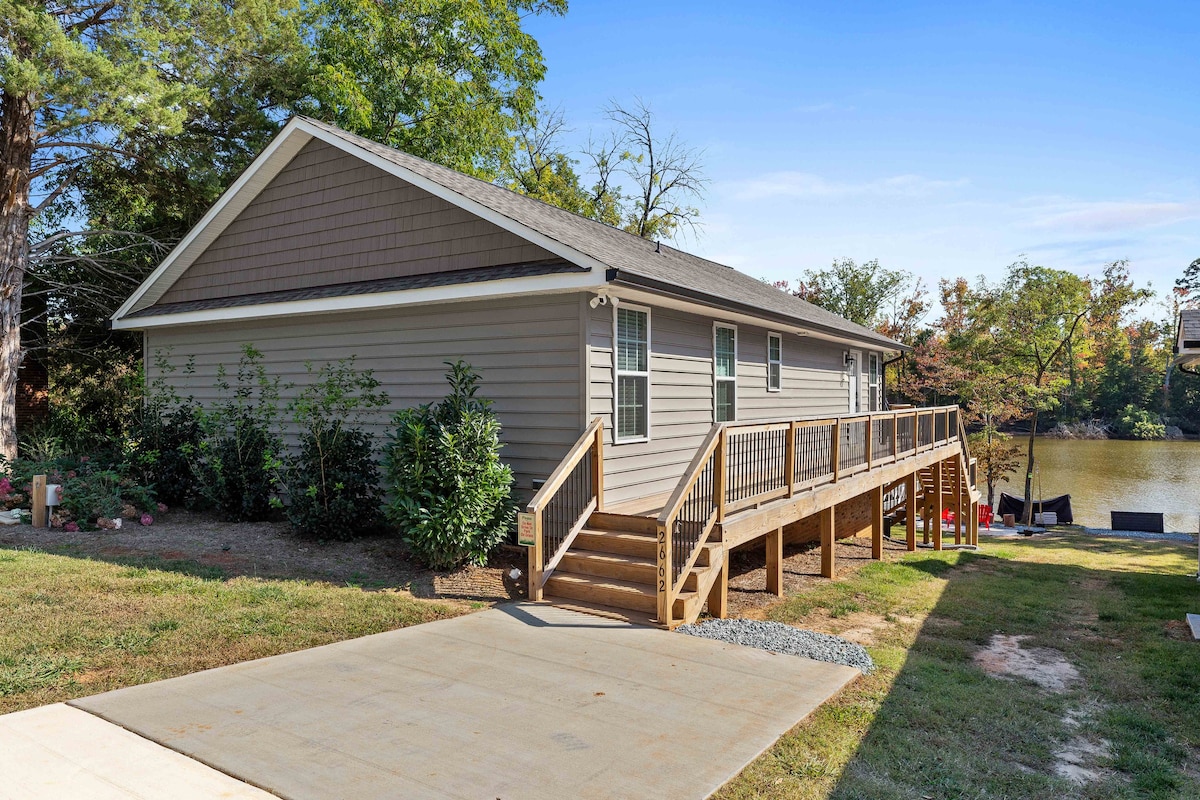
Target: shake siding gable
329 218
526 349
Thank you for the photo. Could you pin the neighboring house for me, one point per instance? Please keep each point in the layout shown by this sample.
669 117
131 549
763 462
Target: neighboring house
330 245
1186 349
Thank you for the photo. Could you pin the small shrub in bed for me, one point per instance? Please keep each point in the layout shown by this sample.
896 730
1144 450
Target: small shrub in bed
333 480
236 463
165 437
451 495
94 490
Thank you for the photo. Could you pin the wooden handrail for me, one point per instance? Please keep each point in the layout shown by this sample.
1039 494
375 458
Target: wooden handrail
581 448
589 445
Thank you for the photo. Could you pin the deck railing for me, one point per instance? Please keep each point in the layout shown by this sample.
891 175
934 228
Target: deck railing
563 505
741 465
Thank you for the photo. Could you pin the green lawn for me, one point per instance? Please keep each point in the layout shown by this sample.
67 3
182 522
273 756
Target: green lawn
72 626
931 724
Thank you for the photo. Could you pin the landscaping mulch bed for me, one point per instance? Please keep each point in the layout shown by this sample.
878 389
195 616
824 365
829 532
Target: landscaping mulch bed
270 550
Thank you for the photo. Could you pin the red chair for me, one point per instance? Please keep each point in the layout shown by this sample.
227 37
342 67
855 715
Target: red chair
947 516
985 515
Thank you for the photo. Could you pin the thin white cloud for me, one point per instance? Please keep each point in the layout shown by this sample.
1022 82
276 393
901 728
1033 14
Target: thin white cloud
1113 216
806 185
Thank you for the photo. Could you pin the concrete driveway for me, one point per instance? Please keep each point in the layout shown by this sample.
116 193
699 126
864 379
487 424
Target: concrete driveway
520 701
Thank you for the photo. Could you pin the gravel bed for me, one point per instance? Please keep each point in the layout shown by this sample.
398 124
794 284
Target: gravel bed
777 637
1176 537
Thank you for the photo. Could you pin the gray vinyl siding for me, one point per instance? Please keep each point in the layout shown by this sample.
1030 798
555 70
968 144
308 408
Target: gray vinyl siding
813 379
526 349
328 218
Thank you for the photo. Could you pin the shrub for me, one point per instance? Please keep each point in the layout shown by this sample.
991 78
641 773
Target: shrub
1138 423
164 438
237 461
451 495
333 481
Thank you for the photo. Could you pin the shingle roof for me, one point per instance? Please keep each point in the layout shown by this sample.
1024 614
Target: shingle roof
365 287
628 254
1189 324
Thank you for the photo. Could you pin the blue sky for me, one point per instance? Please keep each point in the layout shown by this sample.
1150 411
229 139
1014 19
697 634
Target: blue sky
944 139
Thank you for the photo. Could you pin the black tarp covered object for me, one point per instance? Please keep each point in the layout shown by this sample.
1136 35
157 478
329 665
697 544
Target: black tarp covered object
1060 505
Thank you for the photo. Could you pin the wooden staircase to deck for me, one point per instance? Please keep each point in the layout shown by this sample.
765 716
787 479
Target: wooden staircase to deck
610 568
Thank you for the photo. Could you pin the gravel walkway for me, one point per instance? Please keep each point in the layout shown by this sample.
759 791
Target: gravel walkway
777 637
1175 537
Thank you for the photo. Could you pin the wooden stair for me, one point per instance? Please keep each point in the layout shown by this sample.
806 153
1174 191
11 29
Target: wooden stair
610 570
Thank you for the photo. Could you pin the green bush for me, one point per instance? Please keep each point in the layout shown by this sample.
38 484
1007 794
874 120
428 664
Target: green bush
333 481
451 495
237 461
1138 423
165 436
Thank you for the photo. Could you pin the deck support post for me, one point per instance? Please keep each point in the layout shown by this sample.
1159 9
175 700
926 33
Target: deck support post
828 540
975 523
910 512
718 595
597 456
775 562
956 501
877 523
935 510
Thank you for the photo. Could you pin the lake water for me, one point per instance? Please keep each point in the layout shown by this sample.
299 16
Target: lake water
1111 475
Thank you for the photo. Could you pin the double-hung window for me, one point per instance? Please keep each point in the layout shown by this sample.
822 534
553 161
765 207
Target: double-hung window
632 362
774 362
724 373
874 398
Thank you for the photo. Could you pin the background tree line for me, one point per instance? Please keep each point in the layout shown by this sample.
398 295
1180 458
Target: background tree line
121 123
1038 350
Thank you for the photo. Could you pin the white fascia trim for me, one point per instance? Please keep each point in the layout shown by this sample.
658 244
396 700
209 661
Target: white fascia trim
508 287
231 203
734 318
306 132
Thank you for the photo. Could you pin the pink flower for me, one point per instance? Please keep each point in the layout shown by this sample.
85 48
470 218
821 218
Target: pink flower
147 519
162 508
5 486
71 527
84 459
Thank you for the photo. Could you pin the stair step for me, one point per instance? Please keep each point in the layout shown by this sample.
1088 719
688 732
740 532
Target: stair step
604 591
617 593
601 520
637 569
622 542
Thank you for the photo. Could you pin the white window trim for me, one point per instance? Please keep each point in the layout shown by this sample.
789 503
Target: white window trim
716 379
616 375
874 397
773 335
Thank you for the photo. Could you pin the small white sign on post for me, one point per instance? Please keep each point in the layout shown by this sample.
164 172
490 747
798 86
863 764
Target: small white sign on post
526 529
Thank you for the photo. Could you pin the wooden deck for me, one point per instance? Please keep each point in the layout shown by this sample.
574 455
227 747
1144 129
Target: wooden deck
666 555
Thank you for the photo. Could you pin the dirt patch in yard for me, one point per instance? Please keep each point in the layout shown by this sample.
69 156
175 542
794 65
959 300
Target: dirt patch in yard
269 550
1004 657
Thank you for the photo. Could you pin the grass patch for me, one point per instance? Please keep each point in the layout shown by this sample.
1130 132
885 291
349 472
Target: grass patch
72 626
931 723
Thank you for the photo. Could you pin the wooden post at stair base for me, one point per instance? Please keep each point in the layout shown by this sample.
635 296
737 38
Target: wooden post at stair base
828 564
775 562
877 523
910 512
536 560
964 500
935 510
718 595
39 501
975 523
597 456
